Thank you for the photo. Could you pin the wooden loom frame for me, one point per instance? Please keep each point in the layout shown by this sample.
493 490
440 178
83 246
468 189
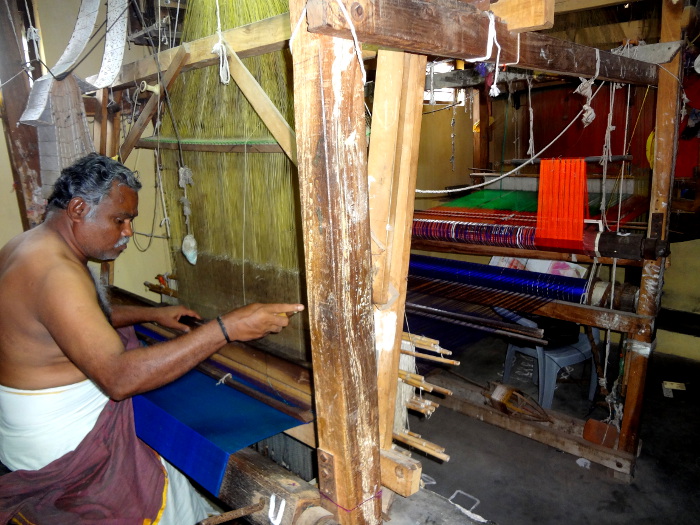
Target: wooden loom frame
349 432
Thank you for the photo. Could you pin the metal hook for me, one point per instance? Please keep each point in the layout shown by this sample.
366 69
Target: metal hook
270 514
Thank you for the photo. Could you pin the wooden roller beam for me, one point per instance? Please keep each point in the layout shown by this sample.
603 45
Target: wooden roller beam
455 29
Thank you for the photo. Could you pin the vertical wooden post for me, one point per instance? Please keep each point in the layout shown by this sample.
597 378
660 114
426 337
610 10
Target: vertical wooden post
331 150
481 114
22 142
667 119
392 169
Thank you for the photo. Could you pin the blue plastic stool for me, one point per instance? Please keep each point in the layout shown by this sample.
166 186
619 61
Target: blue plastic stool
550 361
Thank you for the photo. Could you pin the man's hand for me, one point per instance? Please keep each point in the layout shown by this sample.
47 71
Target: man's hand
257 320
169 316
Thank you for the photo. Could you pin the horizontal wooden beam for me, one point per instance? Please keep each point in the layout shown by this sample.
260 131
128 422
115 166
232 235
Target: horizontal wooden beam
270 34
611 35
454 29
563 433
222 147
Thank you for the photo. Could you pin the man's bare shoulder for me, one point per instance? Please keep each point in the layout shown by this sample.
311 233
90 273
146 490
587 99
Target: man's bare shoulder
37 253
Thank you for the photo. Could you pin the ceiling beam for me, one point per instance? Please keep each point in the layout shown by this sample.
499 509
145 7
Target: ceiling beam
454 29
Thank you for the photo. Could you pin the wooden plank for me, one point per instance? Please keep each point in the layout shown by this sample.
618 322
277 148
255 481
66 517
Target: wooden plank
151 106
250 476
389 316
99 124
451 28
382 176
611 35
400 473
666 141
563 433
263 106
213 148
331 149
249 40
525 15
22 142
567 6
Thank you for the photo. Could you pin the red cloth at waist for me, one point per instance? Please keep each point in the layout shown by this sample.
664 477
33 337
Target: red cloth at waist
112 478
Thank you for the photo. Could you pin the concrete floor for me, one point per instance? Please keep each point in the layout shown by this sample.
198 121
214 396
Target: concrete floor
511 480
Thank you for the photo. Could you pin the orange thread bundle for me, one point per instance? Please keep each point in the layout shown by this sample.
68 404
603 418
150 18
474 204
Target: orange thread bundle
562 203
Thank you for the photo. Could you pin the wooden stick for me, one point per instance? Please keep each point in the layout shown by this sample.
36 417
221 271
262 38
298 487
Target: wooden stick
298 413
417 384
431 357
420 444
149 109
264 107
235 514
425 343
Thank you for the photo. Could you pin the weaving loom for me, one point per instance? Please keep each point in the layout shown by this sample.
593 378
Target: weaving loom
477 296
509 218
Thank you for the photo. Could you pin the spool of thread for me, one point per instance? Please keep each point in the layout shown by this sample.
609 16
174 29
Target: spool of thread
145 87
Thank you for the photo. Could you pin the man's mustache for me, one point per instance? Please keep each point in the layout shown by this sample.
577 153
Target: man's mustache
122 242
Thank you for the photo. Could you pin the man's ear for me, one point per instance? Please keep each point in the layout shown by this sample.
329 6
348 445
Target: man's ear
77 209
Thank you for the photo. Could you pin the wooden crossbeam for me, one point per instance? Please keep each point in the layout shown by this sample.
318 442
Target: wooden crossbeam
412 25
263 106
270 34
152 105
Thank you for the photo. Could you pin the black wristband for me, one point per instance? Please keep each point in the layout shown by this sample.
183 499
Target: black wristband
223 329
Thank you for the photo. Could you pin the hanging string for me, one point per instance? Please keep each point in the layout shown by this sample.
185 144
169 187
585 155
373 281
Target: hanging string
518 168
531 147
32 32
489 39
220 49
586 89
605 157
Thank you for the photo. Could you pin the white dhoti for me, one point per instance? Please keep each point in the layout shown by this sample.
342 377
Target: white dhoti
39 426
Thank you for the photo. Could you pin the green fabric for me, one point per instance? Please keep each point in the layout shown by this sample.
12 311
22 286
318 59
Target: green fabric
512 200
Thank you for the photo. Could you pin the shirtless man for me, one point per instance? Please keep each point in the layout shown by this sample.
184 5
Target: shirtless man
53 333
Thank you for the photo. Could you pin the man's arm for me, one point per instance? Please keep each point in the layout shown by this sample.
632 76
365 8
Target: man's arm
68 309
167 316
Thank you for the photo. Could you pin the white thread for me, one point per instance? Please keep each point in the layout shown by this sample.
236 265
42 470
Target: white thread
518 59
531 148
586 89
518 168
296 29
605 157
489 39
220 49
493 90
222 381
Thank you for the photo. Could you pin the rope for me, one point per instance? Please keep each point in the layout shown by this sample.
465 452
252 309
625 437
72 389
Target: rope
220 49
586 89
531 148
